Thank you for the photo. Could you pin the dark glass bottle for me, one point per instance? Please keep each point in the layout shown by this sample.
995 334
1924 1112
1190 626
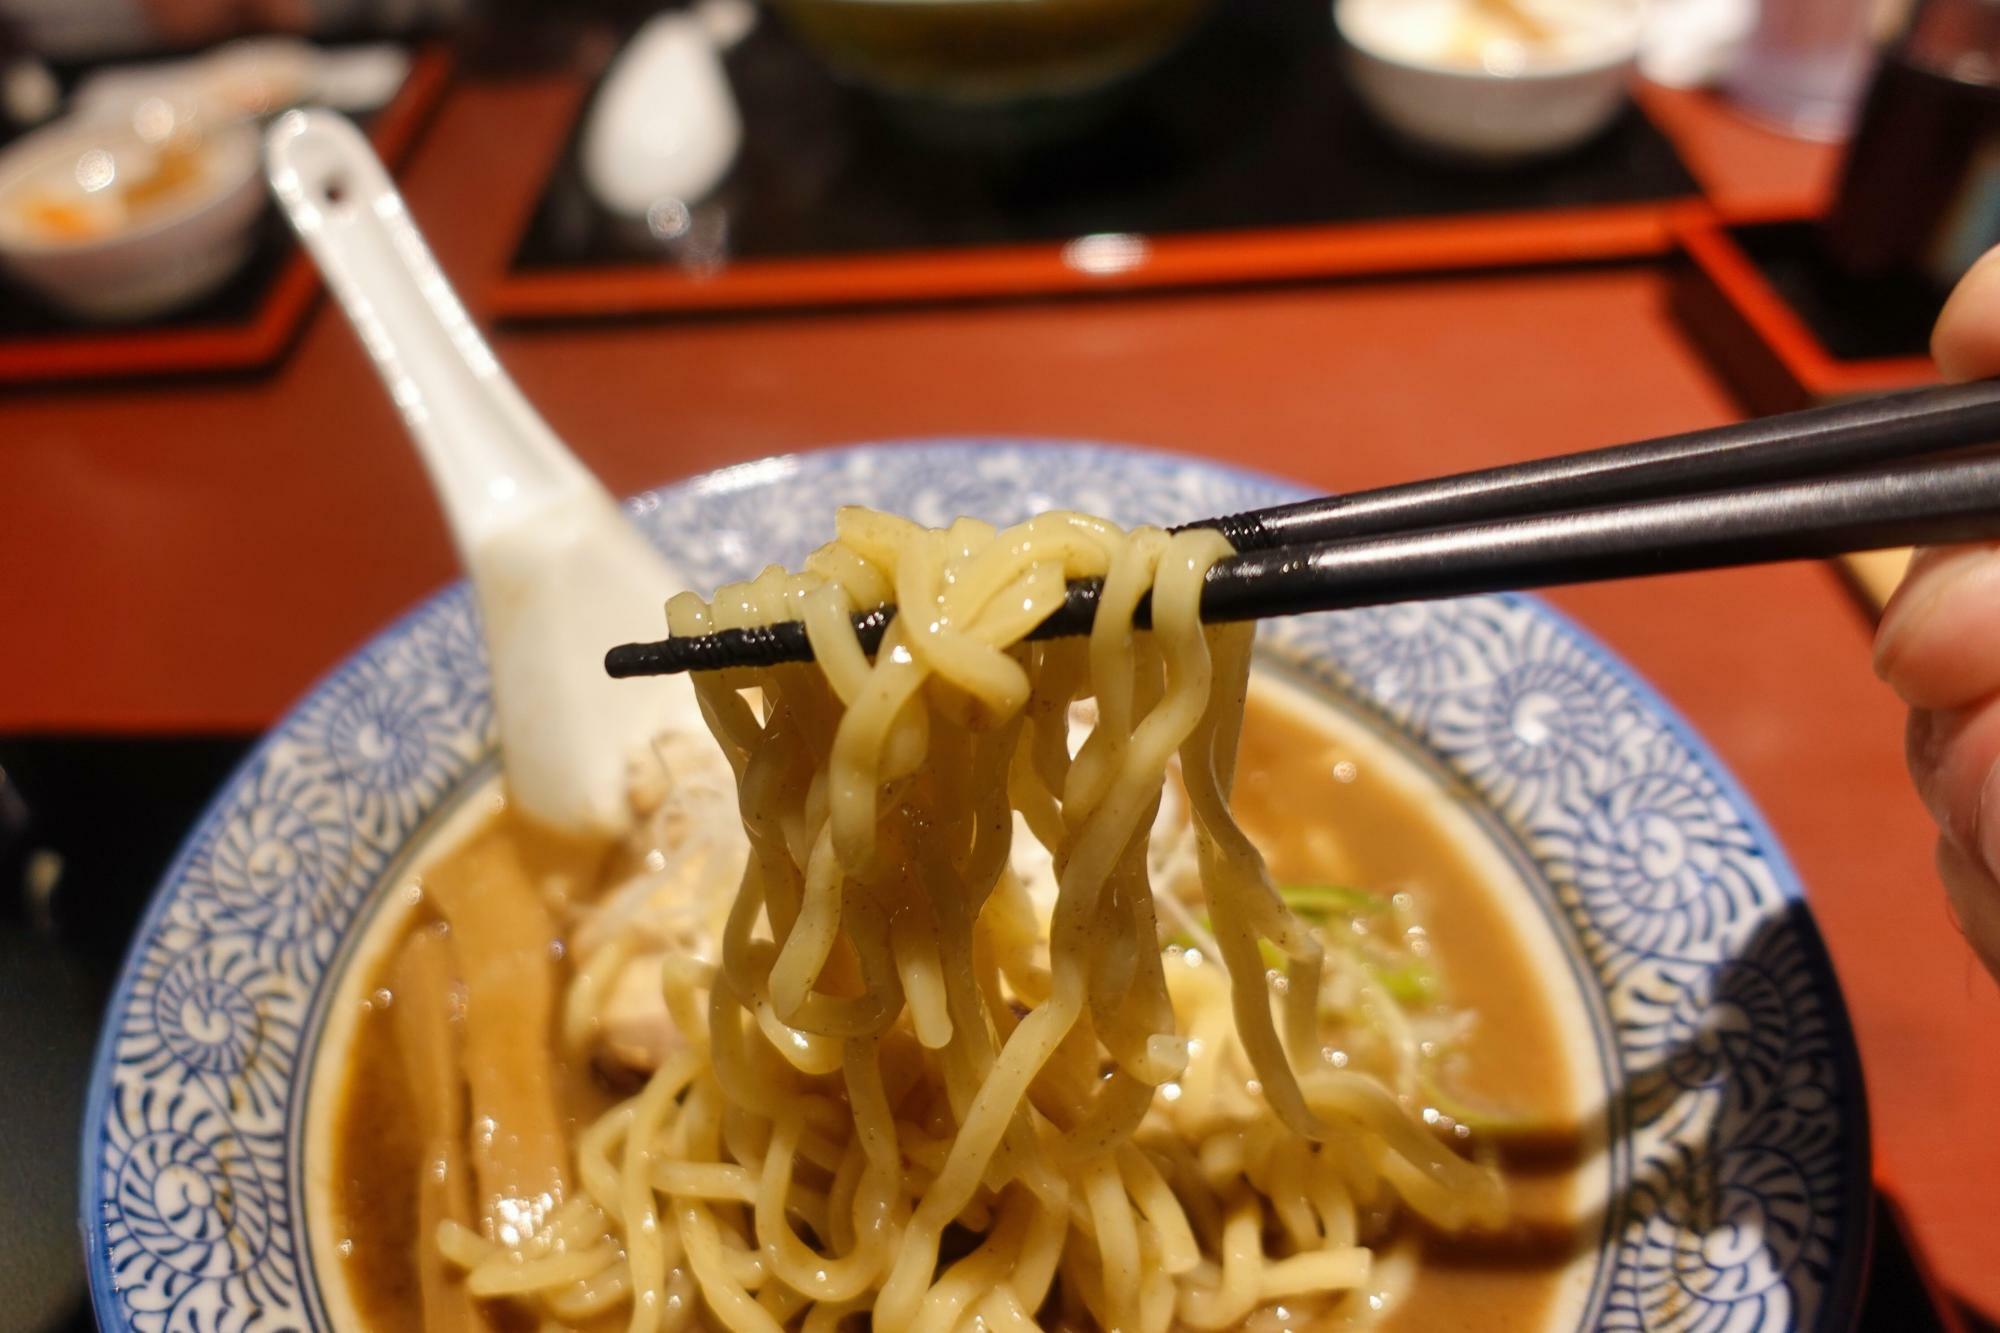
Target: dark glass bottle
1920 192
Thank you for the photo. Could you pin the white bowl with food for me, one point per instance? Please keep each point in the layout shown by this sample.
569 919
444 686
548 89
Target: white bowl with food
115 220
1492 80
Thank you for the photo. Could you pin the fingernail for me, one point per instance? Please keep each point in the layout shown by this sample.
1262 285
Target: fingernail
1915 608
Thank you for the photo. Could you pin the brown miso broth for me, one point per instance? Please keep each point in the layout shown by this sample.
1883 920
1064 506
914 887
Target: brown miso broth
1319 804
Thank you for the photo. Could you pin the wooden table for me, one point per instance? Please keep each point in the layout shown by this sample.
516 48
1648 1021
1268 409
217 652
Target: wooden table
146 532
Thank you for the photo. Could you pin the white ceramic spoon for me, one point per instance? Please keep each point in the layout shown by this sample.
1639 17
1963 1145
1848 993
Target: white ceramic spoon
559 571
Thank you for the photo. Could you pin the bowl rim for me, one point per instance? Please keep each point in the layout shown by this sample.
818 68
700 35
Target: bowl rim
20 158
1621 56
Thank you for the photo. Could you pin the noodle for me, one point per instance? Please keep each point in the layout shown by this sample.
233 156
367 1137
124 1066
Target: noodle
895 1051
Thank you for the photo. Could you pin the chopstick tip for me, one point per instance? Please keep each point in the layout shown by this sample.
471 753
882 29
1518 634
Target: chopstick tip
628 660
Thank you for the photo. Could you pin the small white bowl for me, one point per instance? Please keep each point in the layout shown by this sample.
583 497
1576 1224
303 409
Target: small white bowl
1518 103
172 253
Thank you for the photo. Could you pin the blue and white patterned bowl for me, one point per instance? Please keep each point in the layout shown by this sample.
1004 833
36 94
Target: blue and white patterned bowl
1738 1168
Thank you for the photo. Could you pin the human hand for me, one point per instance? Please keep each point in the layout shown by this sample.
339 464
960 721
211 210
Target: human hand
1938 647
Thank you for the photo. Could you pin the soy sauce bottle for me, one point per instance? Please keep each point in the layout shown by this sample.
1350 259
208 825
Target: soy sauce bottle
1920 193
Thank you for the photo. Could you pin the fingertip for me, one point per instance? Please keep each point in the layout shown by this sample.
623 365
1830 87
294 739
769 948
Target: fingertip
1966 340
1953 755
1938 643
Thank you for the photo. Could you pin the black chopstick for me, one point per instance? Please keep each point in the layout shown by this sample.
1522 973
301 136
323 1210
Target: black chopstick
1896 506
1814 442
1565 522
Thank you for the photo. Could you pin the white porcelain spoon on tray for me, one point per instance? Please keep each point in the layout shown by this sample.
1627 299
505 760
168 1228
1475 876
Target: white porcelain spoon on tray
558 569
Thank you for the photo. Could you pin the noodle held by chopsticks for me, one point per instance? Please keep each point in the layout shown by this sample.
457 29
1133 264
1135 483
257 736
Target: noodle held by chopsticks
905 1092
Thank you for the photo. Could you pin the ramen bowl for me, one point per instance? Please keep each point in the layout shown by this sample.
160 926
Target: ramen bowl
1694 1015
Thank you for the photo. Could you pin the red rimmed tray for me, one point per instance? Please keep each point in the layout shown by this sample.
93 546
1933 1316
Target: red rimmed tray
1784 326
1131 262
1244 158
253 321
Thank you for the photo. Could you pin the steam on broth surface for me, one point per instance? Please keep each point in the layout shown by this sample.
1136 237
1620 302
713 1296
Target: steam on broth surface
996 1032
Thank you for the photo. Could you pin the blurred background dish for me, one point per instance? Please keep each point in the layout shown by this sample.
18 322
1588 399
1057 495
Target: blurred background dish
1495 80
1804 65
989 53
1920 187
254 76
115 220
145 196
663 128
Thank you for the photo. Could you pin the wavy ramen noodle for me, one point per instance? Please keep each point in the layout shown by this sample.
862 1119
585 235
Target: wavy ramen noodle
901 1090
